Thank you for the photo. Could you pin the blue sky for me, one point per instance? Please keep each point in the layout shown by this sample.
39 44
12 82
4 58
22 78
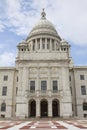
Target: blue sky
17 17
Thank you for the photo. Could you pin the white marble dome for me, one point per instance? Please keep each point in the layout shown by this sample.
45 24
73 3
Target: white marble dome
43 26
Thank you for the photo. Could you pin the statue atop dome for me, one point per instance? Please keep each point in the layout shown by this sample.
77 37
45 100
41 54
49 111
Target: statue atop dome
43 14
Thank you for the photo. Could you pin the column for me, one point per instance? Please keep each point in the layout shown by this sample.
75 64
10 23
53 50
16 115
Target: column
40 43
27 109
36 44
22 110
25 78
38 107
20 79
31 45
49 79
46 43
55 45
37 83
50 44
50 108
66 101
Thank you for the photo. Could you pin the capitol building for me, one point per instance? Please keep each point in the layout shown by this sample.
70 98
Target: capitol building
44 81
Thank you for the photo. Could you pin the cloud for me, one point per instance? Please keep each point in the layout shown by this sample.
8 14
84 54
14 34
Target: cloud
7 59
19 19
69 17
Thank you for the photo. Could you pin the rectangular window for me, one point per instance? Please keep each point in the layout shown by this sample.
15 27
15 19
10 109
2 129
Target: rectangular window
43 45
5 77
32 86
47 45
69 78
83 90
17 78
43 85
81 77
55 86
4 91
2 115
85 115
38 45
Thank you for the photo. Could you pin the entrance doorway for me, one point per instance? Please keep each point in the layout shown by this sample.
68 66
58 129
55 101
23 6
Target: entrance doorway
44 108
32 108
55 108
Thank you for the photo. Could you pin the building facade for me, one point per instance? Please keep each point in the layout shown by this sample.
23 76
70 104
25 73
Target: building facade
44 81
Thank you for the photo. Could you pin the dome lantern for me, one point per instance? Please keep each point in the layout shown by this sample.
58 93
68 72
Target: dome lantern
43 14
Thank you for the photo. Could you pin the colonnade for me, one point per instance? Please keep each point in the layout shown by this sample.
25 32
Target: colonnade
42 44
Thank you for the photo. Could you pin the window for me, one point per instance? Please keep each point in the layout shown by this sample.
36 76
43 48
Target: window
81 77
2 116
55 86
5 77
84 105
43 85
4 91
64 49
3 107
17 78
32 86
47 45
69 78
85 115
38 45
43 45
83 90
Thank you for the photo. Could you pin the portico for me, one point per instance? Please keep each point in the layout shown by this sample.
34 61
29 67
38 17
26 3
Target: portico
44 108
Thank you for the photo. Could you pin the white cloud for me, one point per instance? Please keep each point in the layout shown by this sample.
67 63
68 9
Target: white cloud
69 17
7 59
20 21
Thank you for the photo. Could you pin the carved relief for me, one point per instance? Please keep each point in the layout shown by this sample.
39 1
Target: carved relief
54 70
43 70
33 71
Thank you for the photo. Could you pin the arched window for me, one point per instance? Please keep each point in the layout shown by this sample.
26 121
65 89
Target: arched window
3 107
84 105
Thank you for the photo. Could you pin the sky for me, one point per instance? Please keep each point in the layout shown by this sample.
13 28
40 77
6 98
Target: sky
17 17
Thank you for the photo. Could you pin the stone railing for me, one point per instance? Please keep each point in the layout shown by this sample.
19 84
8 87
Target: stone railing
42 93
